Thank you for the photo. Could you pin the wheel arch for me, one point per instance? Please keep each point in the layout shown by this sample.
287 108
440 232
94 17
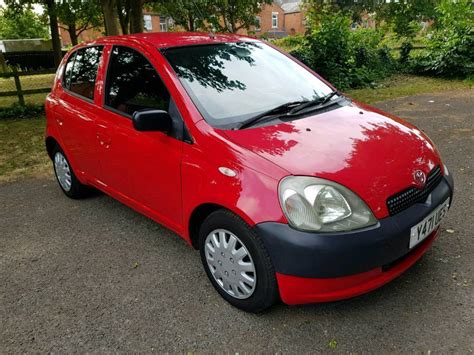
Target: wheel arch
51 143
199 215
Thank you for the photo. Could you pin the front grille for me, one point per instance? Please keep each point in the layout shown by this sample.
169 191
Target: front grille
407 198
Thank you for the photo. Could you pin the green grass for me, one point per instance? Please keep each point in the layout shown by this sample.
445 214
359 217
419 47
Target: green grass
22 150
407 85
27 82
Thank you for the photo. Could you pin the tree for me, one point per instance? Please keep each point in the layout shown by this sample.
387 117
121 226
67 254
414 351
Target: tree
405 16
77 16
234 15
130 15
110 12
189 14
51 11
136 16
123 7
54 29
21 24
354 8
221 15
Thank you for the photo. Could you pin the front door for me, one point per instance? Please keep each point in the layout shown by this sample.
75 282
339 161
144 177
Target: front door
143 168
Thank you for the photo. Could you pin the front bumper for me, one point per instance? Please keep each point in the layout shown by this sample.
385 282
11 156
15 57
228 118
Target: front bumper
318 267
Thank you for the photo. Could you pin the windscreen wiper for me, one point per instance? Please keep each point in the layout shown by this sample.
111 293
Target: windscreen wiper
320 101
270 113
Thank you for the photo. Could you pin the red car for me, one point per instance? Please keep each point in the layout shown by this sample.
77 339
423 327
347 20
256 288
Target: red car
289 189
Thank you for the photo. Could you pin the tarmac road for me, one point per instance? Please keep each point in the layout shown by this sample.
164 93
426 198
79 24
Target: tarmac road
95 276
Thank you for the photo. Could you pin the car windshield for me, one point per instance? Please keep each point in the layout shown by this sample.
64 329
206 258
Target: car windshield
233 82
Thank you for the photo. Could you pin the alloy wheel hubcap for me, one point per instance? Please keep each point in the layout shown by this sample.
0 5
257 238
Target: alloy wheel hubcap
63 172
230 263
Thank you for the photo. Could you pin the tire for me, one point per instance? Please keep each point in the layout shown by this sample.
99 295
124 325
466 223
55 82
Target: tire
224 267
66 178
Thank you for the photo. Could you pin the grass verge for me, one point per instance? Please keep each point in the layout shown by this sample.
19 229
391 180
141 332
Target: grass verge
27 82
22 151
407 85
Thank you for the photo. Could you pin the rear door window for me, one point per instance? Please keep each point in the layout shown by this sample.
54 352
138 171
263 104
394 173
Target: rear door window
81 78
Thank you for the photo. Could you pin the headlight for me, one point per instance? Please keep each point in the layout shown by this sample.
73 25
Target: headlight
313 204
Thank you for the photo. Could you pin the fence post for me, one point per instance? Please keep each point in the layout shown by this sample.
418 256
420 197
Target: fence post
19 91
3 64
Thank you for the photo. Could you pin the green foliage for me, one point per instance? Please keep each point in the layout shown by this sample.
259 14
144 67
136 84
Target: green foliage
291 43
344 57
22 24
405 16
405 51
18 111
450 52
235 15
220 15
189 14
350 7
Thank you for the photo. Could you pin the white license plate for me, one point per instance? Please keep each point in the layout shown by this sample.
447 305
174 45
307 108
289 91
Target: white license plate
423 229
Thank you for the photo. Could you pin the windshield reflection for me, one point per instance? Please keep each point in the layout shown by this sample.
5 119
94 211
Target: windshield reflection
231 82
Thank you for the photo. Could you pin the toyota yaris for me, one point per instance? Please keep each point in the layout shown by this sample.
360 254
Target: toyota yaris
289 189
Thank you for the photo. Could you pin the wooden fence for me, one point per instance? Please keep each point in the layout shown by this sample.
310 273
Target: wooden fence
20 92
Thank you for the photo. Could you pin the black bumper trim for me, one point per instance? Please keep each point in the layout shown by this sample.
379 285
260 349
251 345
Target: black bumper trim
331 255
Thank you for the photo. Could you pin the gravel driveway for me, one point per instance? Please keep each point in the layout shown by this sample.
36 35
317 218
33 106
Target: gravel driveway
94 275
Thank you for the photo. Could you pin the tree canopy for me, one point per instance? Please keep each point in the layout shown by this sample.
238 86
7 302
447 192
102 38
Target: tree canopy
24 23
220 15
77 16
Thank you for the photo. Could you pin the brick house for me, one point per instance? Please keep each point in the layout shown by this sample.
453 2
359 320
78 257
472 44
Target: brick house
280 19
271 21
294 17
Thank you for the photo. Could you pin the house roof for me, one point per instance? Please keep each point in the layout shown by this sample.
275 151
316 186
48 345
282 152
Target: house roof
290 7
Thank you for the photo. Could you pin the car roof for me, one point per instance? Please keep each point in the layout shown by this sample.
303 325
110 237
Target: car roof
175 39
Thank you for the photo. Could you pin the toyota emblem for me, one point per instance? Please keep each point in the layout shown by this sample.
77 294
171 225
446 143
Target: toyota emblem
419 177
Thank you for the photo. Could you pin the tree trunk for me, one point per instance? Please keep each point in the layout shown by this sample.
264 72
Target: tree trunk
136 16
123 9
191 23
109 9
54 27
71 28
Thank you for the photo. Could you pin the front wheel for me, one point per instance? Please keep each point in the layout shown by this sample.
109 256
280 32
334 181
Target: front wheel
237 262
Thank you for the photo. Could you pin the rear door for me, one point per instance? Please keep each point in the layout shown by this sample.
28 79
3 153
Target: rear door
143 168
76 113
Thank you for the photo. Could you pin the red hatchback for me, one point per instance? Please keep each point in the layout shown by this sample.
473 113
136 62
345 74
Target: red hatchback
287 187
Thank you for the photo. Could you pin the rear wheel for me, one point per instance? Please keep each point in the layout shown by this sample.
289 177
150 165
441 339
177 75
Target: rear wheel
237 262
68 182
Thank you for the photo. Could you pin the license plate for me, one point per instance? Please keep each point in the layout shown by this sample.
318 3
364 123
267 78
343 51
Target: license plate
423 229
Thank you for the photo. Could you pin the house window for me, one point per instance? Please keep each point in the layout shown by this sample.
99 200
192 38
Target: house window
274 19
163 24
258 22
148 25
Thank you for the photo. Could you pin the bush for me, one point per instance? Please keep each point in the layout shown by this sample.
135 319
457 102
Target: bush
291 43
450 52
344 57
18 111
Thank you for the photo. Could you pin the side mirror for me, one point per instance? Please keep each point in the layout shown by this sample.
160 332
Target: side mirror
152 120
